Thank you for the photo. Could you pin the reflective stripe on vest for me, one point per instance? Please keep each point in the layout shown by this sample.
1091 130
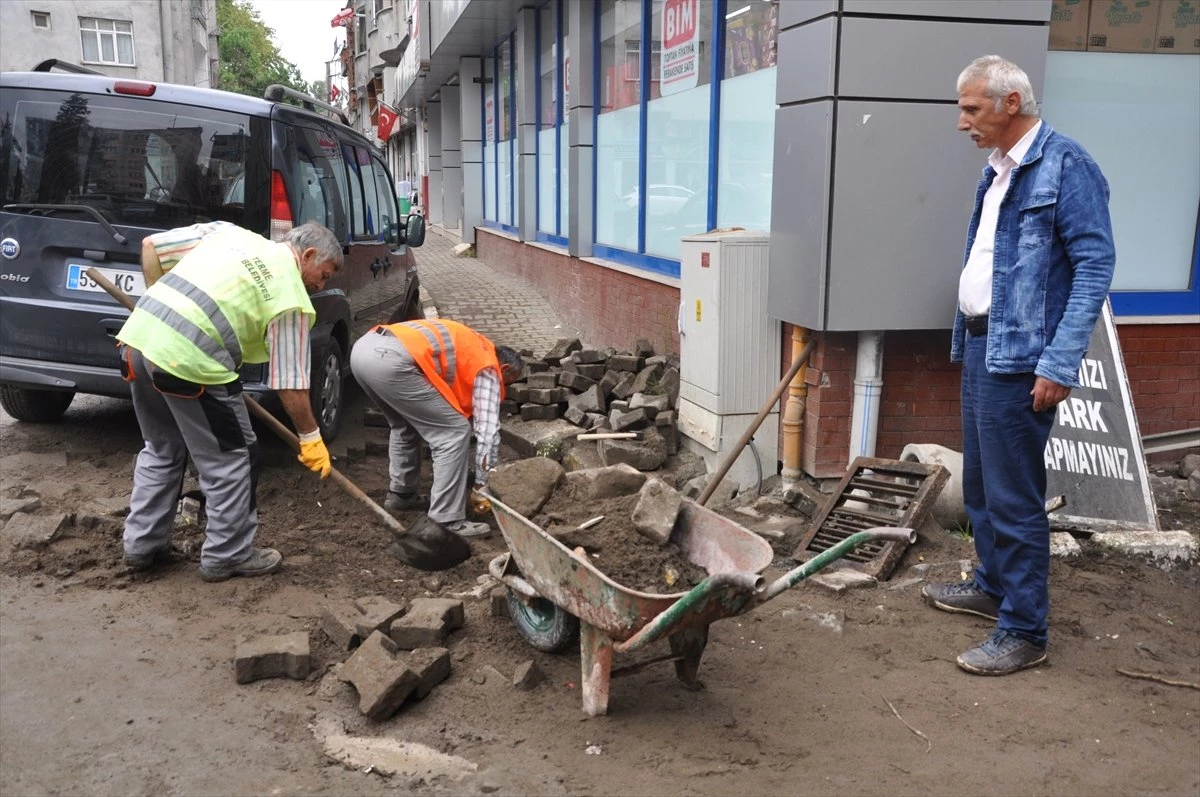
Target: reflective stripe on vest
232 353
192 333
442 346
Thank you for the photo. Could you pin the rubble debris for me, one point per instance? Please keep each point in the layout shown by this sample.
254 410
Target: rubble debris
526 484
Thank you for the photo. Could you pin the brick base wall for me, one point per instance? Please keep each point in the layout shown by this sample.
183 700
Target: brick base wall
609 307
919 402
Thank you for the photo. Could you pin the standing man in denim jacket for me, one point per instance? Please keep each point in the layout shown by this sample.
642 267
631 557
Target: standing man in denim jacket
1039 261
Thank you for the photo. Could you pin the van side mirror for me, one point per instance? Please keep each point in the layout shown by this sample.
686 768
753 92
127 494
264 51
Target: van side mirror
414 230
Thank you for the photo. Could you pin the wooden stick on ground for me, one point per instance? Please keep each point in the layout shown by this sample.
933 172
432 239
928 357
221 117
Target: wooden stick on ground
1146 676
928 744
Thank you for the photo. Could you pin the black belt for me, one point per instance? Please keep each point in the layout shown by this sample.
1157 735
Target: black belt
976 325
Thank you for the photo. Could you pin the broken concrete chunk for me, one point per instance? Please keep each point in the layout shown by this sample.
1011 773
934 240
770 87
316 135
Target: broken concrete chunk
382 680
526 485
648 453
595 484
646 377
11 506
842 578
33 531
724 493
657 507
432 666
278 656
428 622
527 676
376 614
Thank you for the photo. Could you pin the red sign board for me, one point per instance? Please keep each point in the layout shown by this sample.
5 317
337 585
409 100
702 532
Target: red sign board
680 45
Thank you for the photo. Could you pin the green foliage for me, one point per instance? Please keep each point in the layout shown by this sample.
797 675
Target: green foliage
250 61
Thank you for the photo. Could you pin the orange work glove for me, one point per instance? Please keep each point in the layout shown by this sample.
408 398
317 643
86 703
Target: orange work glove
314 454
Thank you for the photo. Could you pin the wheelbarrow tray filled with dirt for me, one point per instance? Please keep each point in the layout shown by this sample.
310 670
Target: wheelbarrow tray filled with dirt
554 591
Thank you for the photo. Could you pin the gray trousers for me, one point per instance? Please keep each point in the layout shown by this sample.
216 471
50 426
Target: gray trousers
415 410
214 427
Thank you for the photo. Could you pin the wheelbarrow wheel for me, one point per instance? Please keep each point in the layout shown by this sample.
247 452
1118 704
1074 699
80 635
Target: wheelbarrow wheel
545 626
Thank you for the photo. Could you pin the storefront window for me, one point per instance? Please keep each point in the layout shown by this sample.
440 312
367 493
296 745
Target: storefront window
489 139
617 158
747 129
564 172
547 137
504 154
679 115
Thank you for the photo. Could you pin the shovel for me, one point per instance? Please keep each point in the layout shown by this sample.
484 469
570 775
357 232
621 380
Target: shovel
427 546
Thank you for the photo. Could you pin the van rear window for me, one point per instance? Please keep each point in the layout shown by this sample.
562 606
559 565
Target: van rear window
140 163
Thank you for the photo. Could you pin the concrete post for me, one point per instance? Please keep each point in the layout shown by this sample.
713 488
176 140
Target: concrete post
470 78
580 43
525 47
434 202
452 181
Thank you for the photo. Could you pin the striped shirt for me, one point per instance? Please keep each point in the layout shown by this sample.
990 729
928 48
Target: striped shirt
485 412
287 333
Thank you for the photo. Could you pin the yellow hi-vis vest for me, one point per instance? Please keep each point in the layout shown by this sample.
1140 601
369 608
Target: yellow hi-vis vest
208 315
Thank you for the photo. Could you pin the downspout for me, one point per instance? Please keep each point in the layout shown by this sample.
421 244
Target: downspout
793 414
868 386
165 31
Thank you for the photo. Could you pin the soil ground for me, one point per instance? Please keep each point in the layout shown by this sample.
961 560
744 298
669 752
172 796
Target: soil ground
117 685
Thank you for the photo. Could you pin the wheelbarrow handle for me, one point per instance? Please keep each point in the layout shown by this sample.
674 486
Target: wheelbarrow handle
794 577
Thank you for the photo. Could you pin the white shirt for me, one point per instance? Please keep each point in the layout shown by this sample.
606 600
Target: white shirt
975 282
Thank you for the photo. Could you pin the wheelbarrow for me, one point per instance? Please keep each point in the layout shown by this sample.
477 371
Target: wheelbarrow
554 593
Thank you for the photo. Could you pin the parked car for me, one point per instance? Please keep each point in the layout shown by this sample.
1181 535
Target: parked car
664 200
91 164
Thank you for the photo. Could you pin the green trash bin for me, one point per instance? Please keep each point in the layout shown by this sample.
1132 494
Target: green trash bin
405 206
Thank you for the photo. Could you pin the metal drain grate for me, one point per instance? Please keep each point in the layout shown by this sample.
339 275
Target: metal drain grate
874 492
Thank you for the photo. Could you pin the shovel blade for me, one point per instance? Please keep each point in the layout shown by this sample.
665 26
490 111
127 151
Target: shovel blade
428 545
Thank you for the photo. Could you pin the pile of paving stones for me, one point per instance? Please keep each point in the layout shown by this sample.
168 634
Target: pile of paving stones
599 390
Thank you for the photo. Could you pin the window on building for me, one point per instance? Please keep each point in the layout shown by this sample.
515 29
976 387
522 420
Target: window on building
106 41
747 127
505 91
617 126
564 173
489 139
360 31
548 118
41 19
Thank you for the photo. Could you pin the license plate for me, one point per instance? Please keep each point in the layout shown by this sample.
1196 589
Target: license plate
132 282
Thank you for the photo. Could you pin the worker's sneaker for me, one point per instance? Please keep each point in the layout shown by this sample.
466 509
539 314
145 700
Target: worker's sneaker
1000 654
141 562
962 597
261 562
469 528
404 502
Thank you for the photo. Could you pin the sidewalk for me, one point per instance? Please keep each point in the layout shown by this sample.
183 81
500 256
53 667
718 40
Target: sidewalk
503 308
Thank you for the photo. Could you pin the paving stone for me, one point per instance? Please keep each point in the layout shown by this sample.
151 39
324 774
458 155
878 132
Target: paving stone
541 395
376 614
656 509
670 436
590 356
646 378
622 421
539 412
535 367
427 624
383 681
617 406
33 531
597 484
487 675
625 362
526 485
593 371
276 656
498 598
624 388
11 506
668 383
517 392
596 421
590 400
724 493
658 359
432 666
653 404
575 416
569 366
575 381
528 676
841 579
608 381
643 348
340 624
543 380
509 407
647 454
1063 544
561 349
582 457
1193 485
1188 464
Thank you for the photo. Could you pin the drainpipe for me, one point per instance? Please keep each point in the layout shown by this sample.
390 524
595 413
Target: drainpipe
868 385
166 31
793 414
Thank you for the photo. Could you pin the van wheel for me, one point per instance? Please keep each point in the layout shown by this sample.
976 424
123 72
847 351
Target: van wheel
35 406
326 389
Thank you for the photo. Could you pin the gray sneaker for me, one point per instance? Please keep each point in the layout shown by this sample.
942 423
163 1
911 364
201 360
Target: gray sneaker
469 528
141 562
404 502
261 562
1000 654
962 597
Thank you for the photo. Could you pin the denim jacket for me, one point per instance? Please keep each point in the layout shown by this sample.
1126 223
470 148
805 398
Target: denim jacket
1053 262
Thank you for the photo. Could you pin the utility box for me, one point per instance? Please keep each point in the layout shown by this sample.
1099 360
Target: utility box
729 351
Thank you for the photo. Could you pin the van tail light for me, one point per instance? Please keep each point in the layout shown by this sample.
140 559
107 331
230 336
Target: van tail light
281 209
134 87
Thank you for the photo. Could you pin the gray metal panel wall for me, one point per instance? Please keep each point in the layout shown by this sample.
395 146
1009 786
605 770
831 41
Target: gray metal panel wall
902 195
1027 10
794 12
920 59
807 56
799 220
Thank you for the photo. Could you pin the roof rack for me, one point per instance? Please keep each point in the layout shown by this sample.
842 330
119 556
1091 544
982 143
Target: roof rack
66 66
276 92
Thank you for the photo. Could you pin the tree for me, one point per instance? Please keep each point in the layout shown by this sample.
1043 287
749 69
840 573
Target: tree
250 61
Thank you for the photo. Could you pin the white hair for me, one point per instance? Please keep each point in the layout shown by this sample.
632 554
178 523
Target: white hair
1002 77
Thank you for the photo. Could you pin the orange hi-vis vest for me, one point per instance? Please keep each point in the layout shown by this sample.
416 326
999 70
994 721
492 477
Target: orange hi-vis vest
450 355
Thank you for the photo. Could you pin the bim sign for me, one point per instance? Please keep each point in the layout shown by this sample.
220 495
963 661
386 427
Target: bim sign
680 45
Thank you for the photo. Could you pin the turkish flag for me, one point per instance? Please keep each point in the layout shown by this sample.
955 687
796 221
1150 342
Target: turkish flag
334 93
342 18
387 121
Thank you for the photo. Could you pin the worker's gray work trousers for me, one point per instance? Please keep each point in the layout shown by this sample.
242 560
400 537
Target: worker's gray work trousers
214 428
414 410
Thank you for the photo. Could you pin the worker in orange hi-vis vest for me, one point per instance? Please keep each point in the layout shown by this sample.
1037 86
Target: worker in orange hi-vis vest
436 380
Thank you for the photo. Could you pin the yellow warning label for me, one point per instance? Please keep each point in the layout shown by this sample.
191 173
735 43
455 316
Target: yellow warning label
698 313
